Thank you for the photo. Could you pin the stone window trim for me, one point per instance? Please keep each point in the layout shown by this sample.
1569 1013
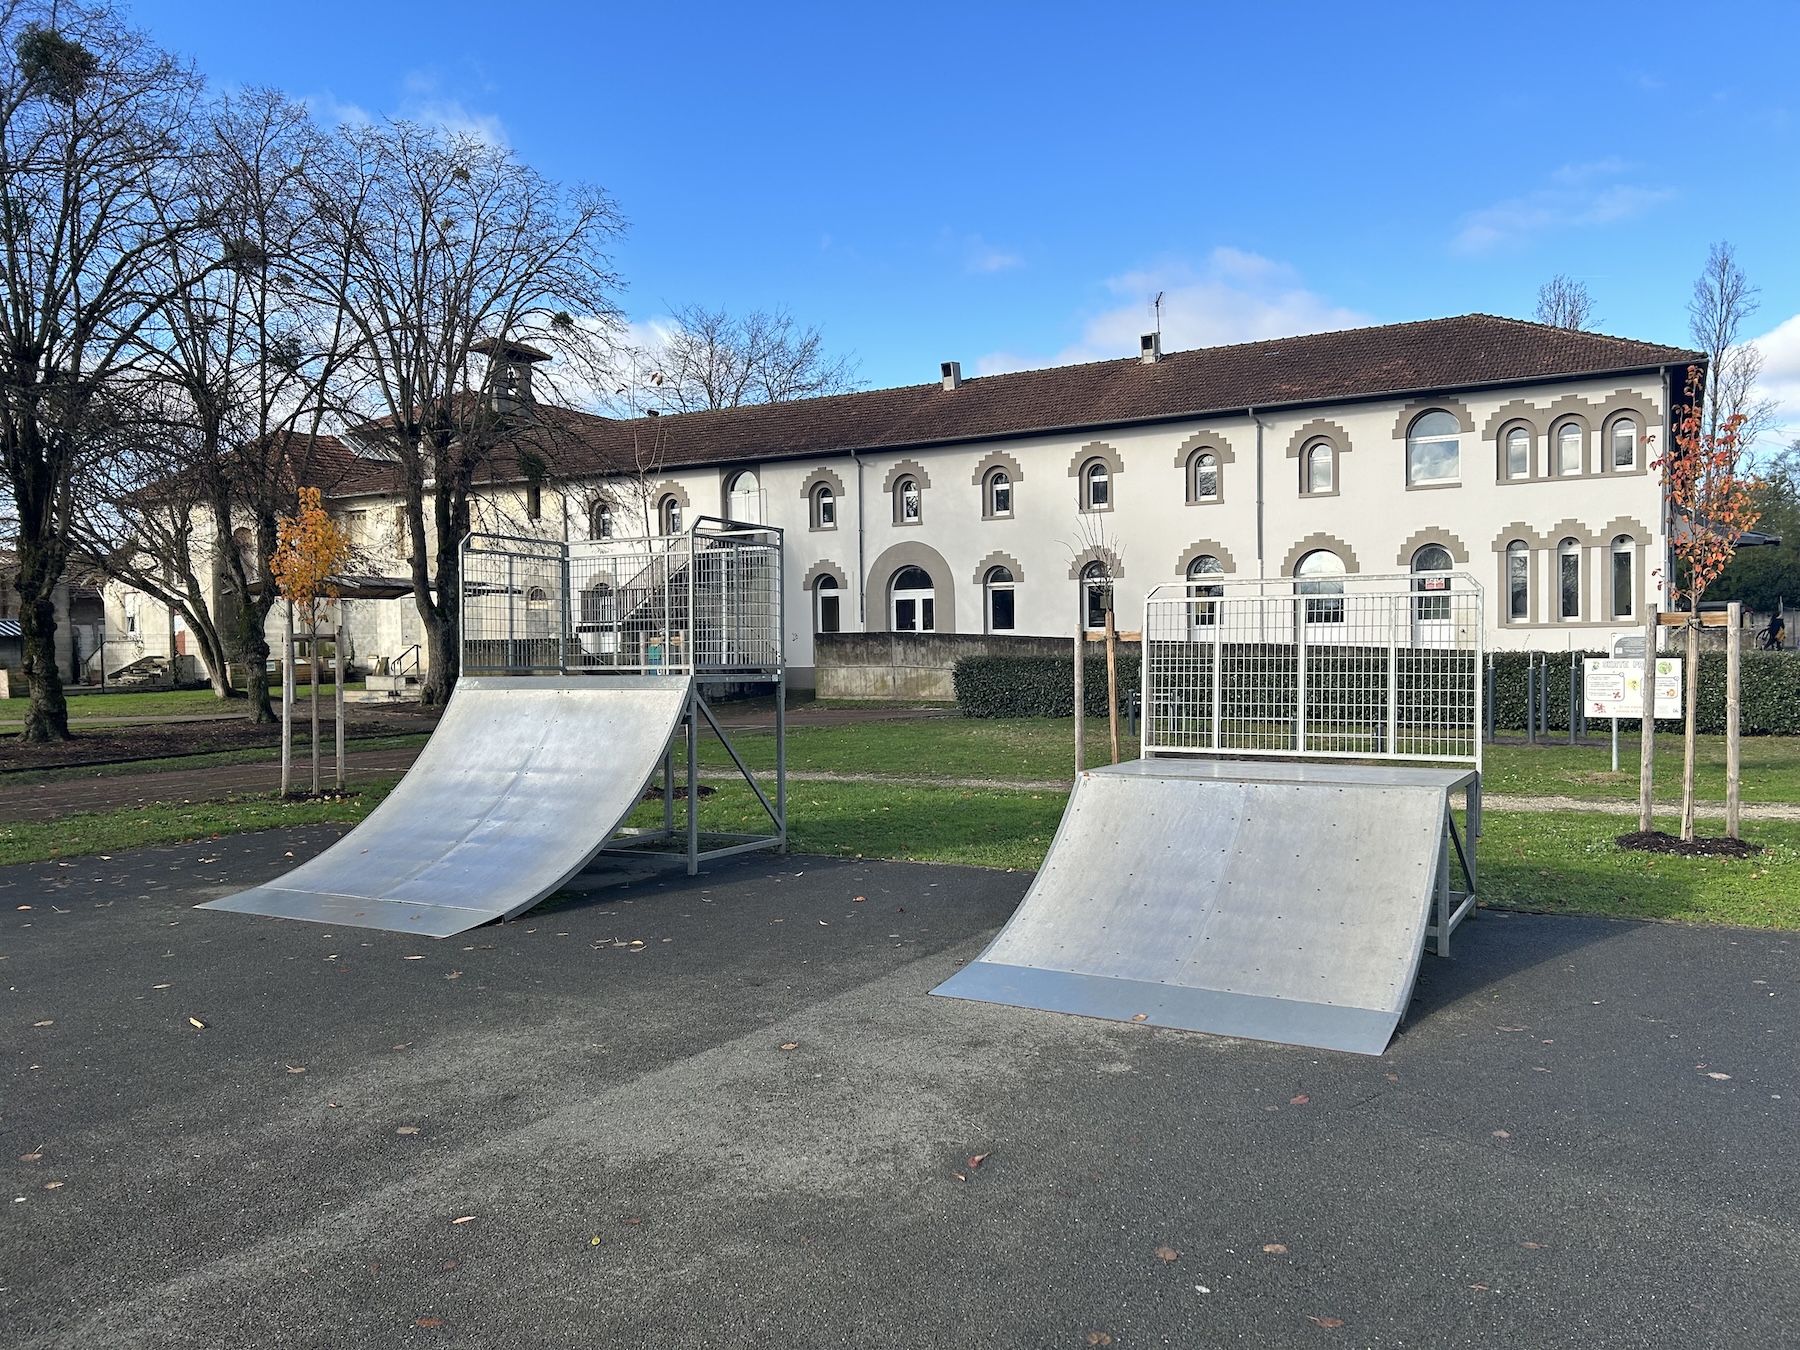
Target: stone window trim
1533 459
1311 544
1098 553
1640 410
911 554
1300 445
825 568
999 559
1096 450
1412 412
903 469
1569 528
1305 465
818 478
996 459
1619 525
1553 453
1520 530
670 488
1444 539
1519 410
1201 547
1203 443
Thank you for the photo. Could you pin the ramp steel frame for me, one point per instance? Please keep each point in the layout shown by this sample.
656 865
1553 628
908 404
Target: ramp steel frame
708 603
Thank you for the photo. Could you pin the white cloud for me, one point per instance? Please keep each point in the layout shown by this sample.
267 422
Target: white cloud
421 101
981 256
1234 297
1576 195
328 108
1780 378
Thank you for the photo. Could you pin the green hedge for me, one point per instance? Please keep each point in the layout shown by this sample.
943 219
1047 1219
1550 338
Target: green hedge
1771 694
1042 686
1037 686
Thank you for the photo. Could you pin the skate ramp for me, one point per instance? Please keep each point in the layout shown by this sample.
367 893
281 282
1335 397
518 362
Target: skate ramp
523 782
1276 901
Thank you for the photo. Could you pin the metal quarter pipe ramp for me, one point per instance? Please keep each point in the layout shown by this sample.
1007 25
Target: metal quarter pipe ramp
1277 901
524 781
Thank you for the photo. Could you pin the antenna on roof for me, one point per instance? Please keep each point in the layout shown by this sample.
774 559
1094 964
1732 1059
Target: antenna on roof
1157 305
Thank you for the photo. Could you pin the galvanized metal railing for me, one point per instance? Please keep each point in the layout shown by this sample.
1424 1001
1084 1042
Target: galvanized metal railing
705 602
1353 667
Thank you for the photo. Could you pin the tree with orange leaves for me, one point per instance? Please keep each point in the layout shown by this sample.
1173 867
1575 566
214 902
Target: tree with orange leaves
311 549
1713 505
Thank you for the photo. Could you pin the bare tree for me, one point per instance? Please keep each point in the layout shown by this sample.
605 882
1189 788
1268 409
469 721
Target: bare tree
1563 302
465 271
92 122
1723 300
716 360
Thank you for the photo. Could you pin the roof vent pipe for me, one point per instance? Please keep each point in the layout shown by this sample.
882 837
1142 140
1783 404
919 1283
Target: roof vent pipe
1150 348
952 372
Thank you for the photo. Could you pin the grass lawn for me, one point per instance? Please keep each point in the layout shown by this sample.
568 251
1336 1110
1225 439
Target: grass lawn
254 755
157 702
1033 749
1771 769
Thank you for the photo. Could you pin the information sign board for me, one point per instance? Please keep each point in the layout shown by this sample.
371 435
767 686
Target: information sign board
1614 688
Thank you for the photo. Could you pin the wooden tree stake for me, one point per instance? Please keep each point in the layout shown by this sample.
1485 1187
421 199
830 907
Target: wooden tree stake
1112 682
1647 730
1734 647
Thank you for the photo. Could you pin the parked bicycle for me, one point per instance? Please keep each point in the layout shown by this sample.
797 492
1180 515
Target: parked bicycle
1773 636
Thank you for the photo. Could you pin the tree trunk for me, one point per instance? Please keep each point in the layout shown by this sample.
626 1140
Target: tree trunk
1112 683
1692 694
47 719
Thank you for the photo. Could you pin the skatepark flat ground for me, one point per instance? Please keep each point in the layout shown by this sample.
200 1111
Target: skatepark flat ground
1583 1135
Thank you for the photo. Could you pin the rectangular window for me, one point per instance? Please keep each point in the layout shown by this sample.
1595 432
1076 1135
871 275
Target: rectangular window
1571 585
927 618
534 501
906 616
1003 499
1432 461
828 613
1624 440
1518 584
909 502
1622 597
1003 611
827 510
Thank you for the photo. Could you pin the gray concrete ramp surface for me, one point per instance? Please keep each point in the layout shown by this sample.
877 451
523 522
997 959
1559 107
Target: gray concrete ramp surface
523 782
1277 901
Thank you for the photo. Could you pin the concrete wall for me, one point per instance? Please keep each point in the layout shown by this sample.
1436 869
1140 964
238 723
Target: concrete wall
902 666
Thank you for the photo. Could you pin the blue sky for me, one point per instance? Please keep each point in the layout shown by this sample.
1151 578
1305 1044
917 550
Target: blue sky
1008 185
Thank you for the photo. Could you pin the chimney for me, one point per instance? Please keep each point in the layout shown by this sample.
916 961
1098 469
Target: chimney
952 372
1150 348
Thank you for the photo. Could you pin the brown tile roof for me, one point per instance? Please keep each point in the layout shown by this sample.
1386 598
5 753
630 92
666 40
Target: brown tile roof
1402 359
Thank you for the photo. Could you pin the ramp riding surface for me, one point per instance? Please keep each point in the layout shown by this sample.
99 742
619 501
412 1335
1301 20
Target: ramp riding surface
523 782
1277 901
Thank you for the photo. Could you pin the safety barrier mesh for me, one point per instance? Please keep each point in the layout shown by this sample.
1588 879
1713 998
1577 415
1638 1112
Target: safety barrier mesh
1385 667
707 601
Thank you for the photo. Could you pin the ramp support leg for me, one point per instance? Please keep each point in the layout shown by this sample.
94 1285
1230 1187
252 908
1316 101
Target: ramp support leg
781 760
693 786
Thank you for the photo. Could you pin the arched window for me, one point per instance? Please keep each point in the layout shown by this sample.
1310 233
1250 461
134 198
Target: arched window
1318 468
1432 449
824 508
1096 486
743 499
534 500
1202 588
1097 594
537 612
999 493
1431 566
1518 581
600 521
1624 443
599 605
668 514
1518 453
1568 448
1568 573
907 501
999 584
1624 557
827 617
913 601
1206 477
1321 573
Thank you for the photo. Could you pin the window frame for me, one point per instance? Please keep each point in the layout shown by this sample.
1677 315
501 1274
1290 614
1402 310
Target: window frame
1556 448
1506 439
826 588
1569 550
1455 441
1307 458
1204 593
993 587
1611 453
996 482
823 506
1518 587
1095 584
1623 551
907 492
923 599
668 514
1096 468
1205 459
600 520
1322 605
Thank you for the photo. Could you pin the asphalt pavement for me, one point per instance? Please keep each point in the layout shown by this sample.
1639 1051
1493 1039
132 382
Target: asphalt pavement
725 1111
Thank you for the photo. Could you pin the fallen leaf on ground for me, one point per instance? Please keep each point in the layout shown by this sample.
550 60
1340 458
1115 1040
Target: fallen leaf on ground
428 1322
977 1160
454 975
47 1023
195 1021
295 1068
1532 1246
1722 1077
859 899
1301 1100
1393 1078
24 906
467 1218
29 1157
1329 1323
159 986
412 958
632 1222
1478 1286
1274 1249
1141 1017
407 1129
53 1185
1501 1134
1166 1254
593 1242
1098 1338
791 1045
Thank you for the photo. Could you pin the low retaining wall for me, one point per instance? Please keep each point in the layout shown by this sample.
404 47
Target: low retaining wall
916 666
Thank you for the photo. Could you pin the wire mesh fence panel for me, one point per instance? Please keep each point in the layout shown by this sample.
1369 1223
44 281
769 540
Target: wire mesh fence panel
1384 667
707 601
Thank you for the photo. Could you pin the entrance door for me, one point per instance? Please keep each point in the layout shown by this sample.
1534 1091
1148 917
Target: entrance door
914 603
1432 625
